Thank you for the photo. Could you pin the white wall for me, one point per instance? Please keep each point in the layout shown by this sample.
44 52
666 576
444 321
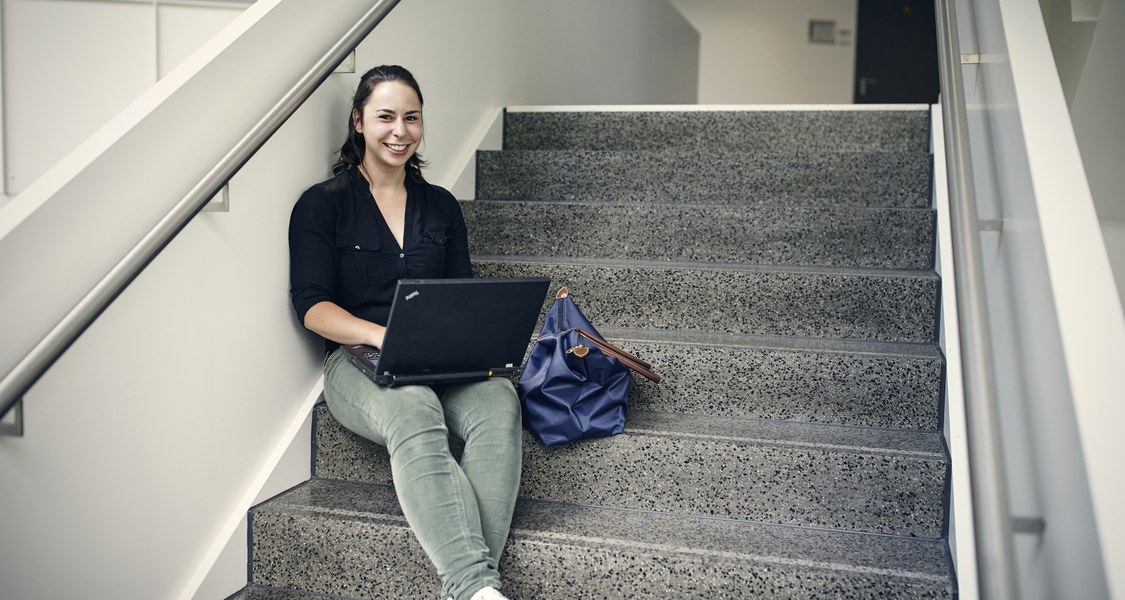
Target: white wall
478 57
48 101
143 438
757 51
147 424
46 106
3 136
1088 54
1095 111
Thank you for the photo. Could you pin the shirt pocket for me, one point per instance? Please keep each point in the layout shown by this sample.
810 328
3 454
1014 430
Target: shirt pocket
358 260
429 257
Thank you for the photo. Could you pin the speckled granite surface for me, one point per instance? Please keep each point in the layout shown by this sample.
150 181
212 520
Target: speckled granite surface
776 268
757 131
878 481
352 537
844 237
897 306
851 179
862 384
268 593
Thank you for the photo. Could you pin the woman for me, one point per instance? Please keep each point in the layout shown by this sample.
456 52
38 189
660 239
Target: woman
351 238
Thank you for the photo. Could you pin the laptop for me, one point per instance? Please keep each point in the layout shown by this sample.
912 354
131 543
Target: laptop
454 331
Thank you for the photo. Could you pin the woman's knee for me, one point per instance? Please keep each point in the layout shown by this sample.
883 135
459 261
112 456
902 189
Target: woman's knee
400 415
489 407
508 406
413 407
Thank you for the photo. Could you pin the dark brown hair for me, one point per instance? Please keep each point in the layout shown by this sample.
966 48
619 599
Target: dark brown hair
351 153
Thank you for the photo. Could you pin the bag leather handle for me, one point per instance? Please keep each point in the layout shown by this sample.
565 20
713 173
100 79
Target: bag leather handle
633 362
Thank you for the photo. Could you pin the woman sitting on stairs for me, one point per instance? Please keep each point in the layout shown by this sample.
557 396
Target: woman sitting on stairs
351 238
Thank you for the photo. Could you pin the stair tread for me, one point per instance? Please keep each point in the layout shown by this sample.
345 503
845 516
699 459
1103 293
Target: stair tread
773 342
886 178
839 477
831 128
837 302
259 592
872 237
920 274
649 532
920 444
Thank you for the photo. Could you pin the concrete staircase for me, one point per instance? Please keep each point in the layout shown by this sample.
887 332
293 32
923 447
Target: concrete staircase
776 266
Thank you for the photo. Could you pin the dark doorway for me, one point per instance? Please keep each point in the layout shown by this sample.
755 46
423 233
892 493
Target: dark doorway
896 52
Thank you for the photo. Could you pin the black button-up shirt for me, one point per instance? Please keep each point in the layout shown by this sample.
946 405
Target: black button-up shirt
342 250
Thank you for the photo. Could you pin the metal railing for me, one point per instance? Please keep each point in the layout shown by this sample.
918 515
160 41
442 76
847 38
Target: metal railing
31 367
991 513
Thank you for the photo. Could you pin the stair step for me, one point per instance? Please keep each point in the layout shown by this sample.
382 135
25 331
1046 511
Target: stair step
750 130
888 238
352 540
258 592
847 478
870 384
890 179
884 305
864 384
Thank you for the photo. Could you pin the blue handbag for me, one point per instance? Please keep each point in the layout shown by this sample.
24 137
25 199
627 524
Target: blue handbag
575 385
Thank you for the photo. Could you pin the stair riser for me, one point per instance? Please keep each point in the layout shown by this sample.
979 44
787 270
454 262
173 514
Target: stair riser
830 305
565 572
773 131
367 559
887 180
896 392
873 238
785 484
857 389
371 559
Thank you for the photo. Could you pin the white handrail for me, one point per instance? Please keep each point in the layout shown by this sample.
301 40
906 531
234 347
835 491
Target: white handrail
992 518
238 97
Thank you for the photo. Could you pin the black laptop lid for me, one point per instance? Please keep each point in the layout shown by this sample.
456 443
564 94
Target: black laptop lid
459 329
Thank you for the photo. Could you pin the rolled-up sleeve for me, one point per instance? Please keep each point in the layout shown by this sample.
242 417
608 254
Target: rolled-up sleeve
313 255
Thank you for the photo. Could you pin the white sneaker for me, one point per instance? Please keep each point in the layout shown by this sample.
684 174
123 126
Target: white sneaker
489 593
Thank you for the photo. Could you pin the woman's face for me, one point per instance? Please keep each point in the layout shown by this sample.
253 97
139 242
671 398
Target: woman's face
391 125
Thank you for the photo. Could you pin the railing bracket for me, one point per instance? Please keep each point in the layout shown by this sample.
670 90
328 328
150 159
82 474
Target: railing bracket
970 59
1029 525
11 425
348 65
219 202
990 224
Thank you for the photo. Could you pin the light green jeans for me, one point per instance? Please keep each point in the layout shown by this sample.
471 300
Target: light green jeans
460 512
